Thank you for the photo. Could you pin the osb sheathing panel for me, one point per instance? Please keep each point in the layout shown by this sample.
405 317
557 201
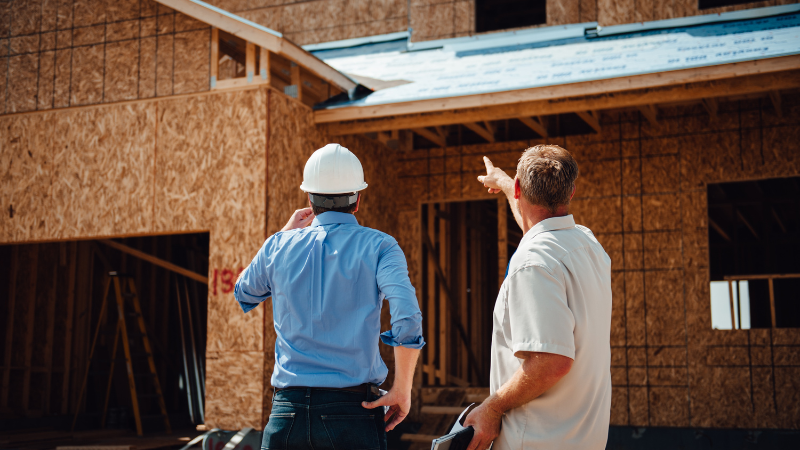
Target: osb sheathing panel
642 191
209 175
234 386
81 173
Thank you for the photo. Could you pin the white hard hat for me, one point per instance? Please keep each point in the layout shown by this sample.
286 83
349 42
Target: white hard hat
333 169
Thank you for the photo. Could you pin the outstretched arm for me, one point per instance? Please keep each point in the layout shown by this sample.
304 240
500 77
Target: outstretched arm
499 181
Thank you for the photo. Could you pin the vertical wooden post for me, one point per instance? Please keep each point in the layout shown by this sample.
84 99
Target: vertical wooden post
250 61
263 65
49 337
430 369
12 297
214 57
444 310
772 303
297 81
73 258
29 332
463 312
502 238
733 314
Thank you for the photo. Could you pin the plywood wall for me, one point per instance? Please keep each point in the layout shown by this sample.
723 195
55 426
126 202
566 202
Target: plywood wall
60 53
156 167
642 191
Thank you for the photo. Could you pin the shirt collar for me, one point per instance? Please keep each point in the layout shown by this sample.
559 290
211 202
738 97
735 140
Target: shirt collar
331 217
551 224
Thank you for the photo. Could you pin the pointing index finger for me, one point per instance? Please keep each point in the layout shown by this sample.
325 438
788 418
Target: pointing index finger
488 162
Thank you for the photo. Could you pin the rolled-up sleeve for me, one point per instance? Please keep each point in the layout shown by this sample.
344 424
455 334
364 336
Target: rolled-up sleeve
539 316
253 286
393 282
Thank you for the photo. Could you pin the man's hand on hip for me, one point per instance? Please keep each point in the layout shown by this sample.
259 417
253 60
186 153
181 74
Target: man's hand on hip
486 422
300 219
399 404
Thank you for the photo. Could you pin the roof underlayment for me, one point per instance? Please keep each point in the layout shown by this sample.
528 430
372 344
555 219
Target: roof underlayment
560 55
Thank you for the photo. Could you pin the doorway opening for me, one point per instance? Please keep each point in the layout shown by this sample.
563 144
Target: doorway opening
58 296
465 251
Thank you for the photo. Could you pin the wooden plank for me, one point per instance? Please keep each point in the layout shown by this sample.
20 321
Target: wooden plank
783 74
712 106
33 271
50 318
234 83
69 325
485 133
297 81
260 36
537 125
733 314
444 310
775 97
650 113
463 270
431 299
214 56
431 136
12 298
250 61
591 118
762 277
771 303
153 260
719 230
263 65
452 410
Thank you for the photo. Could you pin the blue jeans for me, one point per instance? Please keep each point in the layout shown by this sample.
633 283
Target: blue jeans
323 419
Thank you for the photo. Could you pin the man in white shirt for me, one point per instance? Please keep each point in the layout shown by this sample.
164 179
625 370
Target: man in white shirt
551 353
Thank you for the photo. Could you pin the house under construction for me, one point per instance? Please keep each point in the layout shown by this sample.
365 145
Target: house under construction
147 149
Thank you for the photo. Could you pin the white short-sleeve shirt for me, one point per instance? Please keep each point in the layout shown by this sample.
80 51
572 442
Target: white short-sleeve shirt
556 299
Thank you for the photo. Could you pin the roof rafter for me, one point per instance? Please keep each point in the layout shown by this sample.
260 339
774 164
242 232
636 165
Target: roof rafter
592 118
537 125
486 132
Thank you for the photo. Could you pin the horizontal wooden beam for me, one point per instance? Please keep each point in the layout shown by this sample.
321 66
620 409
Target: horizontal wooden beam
517 103
591 118
537 125
431 136
485 133
271 40
154 260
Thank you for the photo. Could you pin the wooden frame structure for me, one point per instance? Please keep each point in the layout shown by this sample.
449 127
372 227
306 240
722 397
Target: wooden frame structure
705 85
770 280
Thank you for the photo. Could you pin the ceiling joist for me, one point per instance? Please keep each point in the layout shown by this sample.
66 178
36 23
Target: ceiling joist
486 132
775 96
650 112
591 118
436 138
712 107
535 124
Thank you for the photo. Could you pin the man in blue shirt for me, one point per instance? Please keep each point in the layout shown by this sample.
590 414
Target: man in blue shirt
327 282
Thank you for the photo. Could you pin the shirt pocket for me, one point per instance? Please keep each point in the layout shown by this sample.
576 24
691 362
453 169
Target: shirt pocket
352 432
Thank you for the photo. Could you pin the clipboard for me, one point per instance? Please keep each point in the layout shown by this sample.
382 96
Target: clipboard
459 436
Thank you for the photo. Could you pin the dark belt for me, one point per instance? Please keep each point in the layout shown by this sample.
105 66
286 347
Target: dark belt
360 389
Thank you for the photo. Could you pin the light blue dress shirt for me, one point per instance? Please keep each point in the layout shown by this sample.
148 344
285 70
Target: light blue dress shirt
327 283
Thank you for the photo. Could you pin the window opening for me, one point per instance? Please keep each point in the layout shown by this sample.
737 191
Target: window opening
493 15
754 240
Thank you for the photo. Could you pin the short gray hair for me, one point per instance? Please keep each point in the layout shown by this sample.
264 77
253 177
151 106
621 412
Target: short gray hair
547 176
